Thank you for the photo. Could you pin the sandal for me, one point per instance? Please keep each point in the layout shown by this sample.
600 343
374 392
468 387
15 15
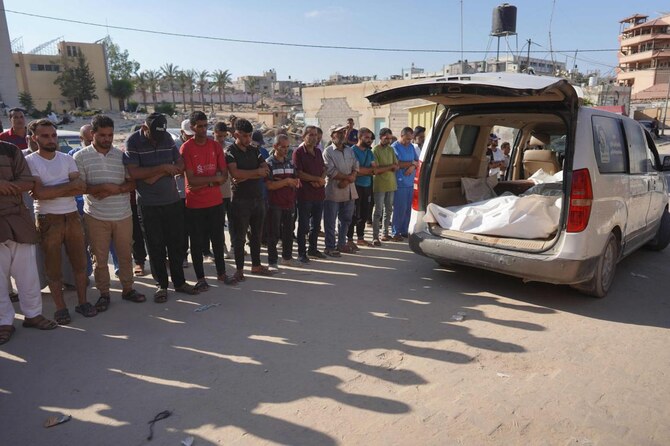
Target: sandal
186 288
160 296
6 332
62 317
239 276
261 271
86 309
133 296
139 270
40 322
201 286
103 303
385 238
227 280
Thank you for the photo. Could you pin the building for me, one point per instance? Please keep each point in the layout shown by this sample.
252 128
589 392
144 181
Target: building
9 92
644 57
37 70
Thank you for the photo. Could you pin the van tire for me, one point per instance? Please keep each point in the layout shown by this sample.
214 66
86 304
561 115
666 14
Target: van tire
603 277
662 237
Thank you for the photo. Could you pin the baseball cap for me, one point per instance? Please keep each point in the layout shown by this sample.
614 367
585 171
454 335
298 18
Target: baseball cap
186 127
493 137
257 137
157 122
336 128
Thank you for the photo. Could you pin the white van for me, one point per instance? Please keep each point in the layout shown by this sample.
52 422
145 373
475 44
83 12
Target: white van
583 187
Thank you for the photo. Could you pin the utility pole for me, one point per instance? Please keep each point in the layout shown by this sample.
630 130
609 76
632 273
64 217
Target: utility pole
665 114
528 57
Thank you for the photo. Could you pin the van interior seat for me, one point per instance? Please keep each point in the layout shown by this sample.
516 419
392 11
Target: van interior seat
534 160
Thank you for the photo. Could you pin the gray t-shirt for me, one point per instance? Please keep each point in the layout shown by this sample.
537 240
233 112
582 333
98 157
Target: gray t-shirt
140 152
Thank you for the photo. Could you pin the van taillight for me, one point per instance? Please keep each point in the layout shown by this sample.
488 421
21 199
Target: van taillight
415 193
581 197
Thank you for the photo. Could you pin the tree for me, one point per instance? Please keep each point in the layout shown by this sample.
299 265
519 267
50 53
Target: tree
26 101
191 79
182 81
142 86
170 72
121 89
77 82
221 79
119 63
202 83
252 86
153 79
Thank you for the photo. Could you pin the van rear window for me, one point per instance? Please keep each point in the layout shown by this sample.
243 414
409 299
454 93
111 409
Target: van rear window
461 140
608 144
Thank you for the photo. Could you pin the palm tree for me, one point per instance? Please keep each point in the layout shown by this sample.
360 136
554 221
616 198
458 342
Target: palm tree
169 72
121 89
252 85
182 81
142 86
221 79
153 79
202 82
191 78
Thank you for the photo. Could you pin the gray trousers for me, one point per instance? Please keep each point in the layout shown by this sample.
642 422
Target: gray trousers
383 207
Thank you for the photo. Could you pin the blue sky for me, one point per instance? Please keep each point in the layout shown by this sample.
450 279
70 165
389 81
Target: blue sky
428 24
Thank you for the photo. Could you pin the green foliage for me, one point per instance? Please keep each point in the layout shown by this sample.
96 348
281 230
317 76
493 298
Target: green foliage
86 113
121 89
26 101
49 108
77 82
165 107
119 62
132 106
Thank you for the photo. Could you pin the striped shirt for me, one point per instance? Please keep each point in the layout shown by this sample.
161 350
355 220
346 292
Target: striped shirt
96 168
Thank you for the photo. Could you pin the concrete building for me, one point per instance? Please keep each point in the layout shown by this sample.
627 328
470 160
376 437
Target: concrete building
333 104
644 59
36 72
9 91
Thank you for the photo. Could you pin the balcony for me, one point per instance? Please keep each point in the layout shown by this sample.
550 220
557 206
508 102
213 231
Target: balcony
632 41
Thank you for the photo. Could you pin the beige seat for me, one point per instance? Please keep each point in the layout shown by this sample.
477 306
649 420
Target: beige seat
536 157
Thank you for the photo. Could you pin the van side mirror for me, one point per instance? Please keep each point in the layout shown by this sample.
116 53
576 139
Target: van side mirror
666 163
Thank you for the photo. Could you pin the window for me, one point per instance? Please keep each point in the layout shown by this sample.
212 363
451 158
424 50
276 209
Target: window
44 67
640 158
608 145
461 140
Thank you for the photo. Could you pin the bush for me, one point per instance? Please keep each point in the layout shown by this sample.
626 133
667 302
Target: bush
132 106
165 107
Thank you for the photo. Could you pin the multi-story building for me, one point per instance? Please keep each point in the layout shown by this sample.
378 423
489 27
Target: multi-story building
644 57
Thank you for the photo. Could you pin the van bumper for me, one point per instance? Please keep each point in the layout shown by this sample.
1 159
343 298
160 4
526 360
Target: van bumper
531 267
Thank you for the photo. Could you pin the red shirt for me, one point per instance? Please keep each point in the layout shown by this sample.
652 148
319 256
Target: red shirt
204 161
312 165
11 137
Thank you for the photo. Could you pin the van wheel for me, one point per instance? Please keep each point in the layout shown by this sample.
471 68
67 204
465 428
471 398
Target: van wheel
662 237
603 277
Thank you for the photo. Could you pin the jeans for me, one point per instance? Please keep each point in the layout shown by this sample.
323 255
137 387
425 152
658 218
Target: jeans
362 212
309 220
280 225
403 210
163 227
383 206
342 211
207 224
247 213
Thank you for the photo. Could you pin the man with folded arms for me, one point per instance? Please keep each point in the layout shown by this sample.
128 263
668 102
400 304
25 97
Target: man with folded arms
107 214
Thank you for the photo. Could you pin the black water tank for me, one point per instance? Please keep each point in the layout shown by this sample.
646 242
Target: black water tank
504 20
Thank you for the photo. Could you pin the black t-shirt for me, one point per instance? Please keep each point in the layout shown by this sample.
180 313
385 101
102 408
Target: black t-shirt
249 159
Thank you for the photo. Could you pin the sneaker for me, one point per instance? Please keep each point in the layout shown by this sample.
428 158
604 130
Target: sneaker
303 260
316 253
291 262
332 252
376 242
273 266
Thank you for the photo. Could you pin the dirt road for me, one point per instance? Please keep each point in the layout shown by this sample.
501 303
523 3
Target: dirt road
366 349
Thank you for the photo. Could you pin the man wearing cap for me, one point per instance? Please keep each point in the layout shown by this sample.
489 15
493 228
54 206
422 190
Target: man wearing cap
17 132
308 162
341 169
496 156
258 140
248 168
185 134
107 214
153 161
220 135
402 200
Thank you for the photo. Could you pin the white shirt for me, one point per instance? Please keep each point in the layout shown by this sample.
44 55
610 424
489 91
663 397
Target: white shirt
52 173
497 155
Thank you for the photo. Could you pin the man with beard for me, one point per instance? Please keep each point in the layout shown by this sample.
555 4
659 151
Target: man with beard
341 169
107 214
17 132
408 161
58 222
384 186
363 204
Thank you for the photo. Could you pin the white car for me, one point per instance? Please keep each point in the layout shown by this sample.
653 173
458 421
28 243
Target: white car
68 140
598 192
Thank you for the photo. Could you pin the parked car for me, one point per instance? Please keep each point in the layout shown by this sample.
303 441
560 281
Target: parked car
609 194
68 140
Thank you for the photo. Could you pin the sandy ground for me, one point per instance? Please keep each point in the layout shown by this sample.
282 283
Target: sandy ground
359 350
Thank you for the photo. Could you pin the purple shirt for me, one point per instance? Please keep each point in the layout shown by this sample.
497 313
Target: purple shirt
312 165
